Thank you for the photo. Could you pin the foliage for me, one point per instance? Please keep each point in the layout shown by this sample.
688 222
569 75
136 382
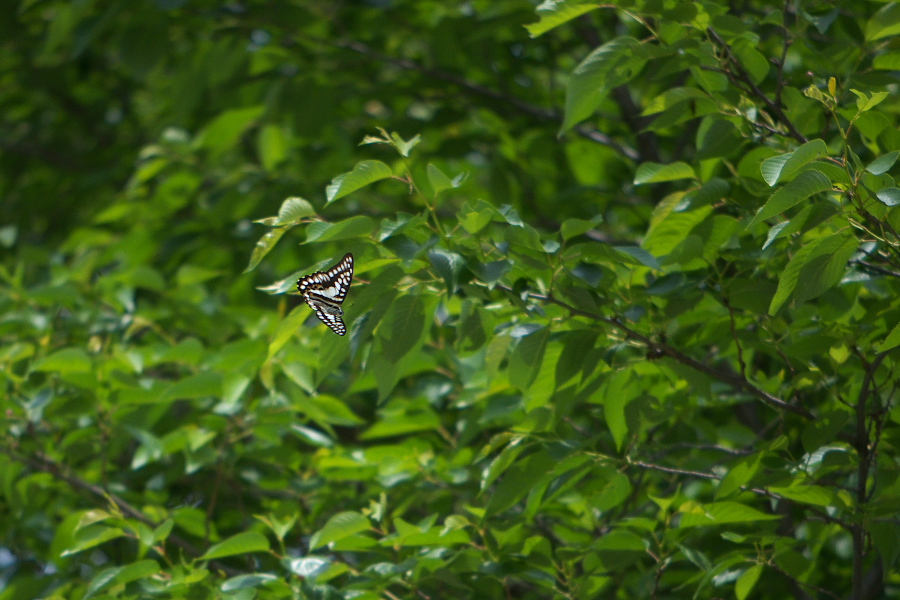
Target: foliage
643 345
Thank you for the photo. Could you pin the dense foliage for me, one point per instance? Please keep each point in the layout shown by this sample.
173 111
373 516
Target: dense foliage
624 321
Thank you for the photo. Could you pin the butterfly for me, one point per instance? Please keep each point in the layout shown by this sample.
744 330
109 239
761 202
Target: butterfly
325 291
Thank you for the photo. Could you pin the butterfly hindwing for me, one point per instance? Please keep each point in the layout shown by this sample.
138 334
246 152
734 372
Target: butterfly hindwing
325 291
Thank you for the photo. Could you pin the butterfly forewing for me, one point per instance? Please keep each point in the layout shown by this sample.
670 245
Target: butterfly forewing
325 291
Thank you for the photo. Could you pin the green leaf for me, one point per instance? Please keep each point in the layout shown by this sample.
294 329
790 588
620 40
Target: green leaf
884 23
720 513
808 494
656 173
517 482
363 174
747 581
293 210
607 67
91 536
252 580
287 328
554 13
805 185
338 527
890 196
201 385
574 227
354 227
67 360
272 146
892 340
225 131
527 357
247 542
784 165
264 245
883 163
439 182
814 269
402 327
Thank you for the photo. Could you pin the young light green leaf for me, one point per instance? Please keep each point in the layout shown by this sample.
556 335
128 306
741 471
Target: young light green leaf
439 182
805 185
242 543
363 174
338 527
404 147
656 173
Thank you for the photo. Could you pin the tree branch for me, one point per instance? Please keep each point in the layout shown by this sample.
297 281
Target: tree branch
663 348
476 88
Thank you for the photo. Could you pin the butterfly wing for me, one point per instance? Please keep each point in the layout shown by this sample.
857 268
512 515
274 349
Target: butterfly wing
325 291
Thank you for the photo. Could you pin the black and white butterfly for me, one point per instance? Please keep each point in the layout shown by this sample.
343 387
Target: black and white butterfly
325 291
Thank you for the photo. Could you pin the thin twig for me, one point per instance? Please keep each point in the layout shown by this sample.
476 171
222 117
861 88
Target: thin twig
747 81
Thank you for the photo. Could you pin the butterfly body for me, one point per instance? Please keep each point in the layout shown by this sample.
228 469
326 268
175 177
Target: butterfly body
325 291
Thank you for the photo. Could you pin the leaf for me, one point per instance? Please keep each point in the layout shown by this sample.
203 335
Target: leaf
884 23
201 385
271 146
554 13
448 265
354 227
814 269
808 494
883 163
402 327
747 581
338 527
91 536
517 481
805 185
287 328
574 227
784 165
607 67
363 174
720 513
67 360
892 340
890 196
655 173
527 356
439 182
242 543
293 210
264 245
252 580
225 131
